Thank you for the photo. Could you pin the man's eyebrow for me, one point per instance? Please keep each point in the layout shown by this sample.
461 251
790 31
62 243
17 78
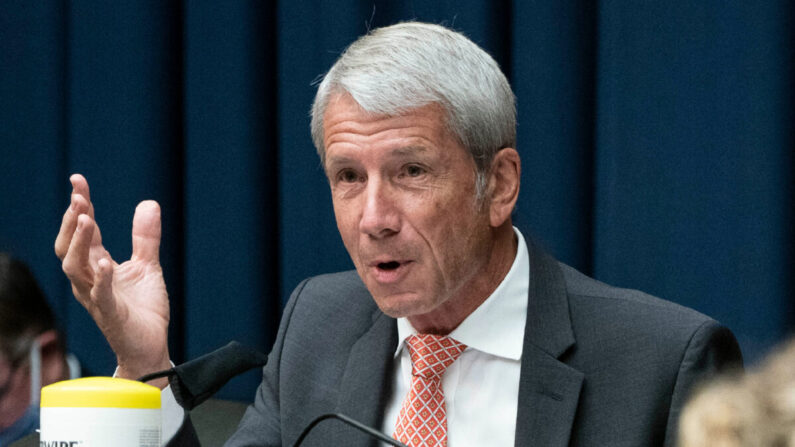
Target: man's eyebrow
337 159
397 152
332 162
408 151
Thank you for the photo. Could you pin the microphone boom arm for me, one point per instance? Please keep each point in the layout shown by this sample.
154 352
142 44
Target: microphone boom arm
356 424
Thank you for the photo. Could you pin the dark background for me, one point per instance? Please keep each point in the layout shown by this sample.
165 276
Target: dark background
656 141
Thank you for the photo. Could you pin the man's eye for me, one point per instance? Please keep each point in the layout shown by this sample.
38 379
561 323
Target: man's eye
347 176
414 170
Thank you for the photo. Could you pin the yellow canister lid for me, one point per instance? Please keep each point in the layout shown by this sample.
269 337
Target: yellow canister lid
100 392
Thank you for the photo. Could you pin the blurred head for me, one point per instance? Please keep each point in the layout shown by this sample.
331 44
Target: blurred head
724 415
31 349
399 68
752 410
415 126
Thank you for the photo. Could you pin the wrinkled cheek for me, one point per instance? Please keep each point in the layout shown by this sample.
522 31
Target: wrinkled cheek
461 256
348 229
351 246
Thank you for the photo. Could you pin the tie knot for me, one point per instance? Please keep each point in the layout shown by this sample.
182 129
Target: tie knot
432 354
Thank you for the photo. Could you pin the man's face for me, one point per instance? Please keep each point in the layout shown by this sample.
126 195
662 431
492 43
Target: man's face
404 198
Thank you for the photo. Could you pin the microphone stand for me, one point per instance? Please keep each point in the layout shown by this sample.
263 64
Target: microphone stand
358 425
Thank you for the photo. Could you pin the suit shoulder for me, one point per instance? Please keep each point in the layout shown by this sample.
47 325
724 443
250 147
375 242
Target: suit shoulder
640 356
334 283
631 328
586 291
333 297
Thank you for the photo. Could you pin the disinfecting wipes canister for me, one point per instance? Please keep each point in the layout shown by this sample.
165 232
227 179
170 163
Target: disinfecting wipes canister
100 412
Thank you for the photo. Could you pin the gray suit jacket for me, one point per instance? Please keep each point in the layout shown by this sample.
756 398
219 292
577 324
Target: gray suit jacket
600 365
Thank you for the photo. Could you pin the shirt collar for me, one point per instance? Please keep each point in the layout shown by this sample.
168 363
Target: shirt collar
496 327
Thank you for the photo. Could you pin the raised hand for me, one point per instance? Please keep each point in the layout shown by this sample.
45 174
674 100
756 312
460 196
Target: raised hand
128 301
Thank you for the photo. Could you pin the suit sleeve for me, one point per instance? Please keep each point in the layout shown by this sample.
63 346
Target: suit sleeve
261 424
712 350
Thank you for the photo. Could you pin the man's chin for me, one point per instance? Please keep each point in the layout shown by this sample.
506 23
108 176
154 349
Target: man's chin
401 305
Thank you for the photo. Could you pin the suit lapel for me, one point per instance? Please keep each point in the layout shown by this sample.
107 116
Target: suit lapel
365 383
549 389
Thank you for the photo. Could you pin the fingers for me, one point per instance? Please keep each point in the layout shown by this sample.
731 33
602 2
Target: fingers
81 194
76 262
80 203
80 188
146 232
77 206
102 292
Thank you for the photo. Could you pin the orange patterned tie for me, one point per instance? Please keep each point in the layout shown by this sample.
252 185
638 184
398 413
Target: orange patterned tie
422 421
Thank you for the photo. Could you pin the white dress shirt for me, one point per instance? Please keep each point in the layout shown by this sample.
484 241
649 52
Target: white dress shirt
481 388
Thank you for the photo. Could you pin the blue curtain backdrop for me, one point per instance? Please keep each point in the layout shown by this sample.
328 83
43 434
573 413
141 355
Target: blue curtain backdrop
656 139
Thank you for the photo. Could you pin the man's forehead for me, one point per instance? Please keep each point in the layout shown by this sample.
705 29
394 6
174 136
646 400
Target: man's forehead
418 131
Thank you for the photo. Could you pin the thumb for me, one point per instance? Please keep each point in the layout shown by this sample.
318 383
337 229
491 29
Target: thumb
146 232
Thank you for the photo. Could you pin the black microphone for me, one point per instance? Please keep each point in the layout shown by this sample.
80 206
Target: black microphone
195 381
353 423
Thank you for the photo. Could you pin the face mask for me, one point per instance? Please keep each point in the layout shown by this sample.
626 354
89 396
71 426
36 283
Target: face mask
30 419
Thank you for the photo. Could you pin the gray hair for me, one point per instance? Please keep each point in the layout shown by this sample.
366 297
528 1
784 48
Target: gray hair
395 69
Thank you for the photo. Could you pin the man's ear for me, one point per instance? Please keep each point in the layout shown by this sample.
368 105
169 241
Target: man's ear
503 188
53 363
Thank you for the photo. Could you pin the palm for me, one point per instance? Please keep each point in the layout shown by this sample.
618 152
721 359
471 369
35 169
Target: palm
139 303
141 308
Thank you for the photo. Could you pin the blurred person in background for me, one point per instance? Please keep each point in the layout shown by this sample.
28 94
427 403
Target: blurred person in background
32 350
752 410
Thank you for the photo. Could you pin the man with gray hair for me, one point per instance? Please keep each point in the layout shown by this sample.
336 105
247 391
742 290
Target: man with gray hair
454 329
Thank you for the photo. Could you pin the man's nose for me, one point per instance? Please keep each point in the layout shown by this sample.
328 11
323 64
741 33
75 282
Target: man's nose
380 215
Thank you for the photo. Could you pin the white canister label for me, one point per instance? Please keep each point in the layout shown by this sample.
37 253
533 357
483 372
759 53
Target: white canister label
99 427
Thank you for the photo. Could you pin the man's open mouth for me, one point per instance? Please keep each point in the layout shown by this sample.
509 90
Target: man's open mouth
391 265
